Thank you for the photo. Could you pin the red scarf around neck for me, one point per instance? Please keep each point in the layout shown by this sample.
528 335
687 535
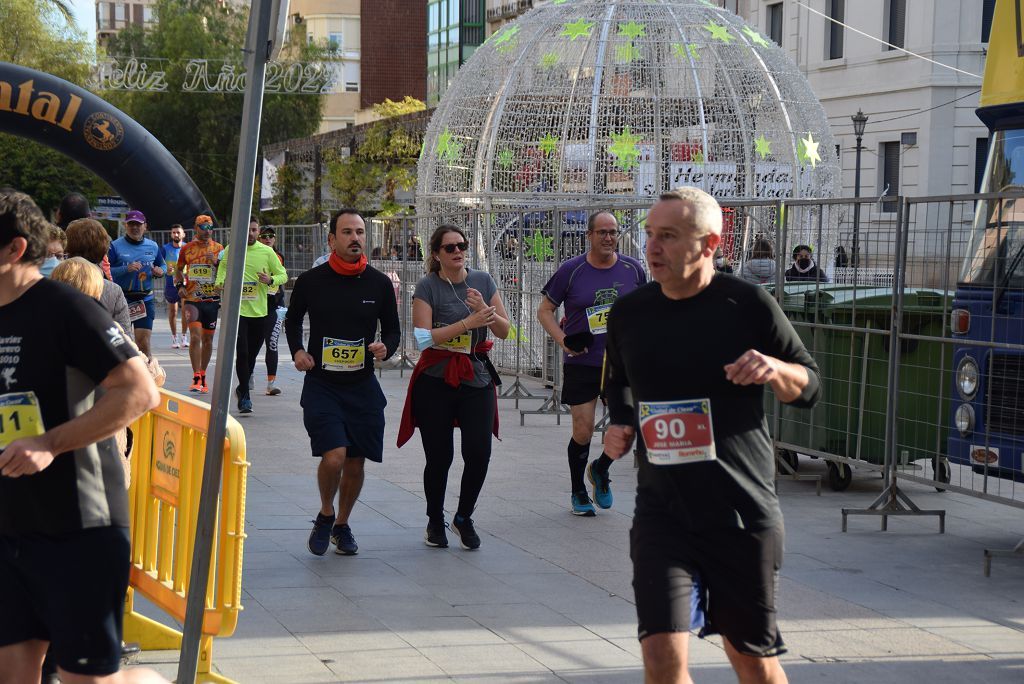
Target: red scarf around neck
342 267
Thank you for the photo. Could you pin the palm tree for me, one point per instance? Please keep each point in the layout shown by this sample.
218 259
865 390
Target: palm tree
64 8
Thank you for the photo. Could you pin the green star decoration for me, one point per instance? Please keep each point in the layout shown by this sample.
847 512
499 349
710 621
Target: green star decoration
709 4
633 30
762 146
505 39
559 2
505 159
808 151
549 60
538 247
549 144
755 37
679 50
581 28
697 157
719 32
625 149
447 148
694 51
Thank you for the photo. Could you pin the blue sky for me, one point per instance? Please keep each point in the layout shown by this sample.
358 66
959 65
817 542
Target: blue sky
85 15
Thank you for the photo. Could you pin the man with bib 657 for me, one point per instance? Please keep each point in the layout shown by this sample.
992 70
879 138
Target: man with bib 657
342 403
688 358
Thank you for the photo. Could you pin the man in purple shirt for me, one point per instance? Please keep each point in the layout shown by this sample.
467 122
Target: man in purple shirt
587 286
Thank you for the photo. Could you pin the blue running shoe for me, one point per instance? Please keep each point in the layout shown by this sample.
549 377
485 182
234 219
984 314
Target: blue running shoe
245 405
342 537
581 504
602 486
320 537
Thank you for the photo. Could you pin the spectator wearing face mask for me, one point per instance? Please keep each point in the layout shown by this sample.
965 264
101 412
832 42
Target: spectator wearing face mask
804 269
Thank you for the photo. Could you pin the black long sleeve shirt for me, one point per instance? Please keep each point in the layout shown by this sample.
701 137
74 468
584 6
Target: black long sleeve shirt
666 350
342 308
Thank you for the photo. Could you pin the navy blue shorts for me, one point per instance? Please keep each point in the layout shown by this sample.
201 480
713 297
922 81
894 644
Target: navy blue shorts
78 611
350 416
171 295
146 322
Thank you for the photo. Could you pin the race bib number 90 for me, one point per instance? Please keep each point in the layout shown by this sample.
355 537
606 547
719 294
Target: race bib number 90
343 355
201 273
597 318
677 432
19 417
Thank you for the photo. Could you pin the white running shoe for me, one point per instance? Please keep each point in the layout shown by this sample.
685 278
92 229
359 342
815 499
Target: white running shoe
175 342
184 341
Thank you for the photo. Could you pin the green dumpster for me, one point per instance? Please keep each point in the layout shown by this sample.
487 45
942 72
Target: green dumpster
850 343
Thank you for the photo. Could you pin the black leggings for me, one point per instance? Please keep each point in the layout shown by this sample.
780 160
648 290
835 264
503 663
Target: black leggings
247 348
272 330
437 405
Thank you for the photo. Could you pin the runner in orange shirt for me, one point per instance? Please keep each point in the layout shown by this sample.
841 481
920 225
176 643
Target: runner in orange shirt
195 279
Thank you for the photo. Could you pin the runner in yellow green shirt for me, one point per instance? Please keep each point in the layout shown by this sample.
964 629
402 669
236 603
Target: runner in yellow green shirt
263 270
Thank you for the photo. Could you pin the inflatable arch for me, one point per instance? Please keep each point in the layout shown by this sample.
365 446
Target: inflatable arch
102 138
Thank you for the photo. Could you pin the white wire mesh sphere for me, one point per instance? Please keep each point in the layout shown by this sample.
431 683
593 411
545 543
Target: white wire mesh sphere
615 100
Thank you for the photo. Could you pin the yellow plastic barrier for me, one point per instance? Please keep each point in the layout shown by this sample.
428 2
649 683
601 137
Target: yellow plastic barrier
167 475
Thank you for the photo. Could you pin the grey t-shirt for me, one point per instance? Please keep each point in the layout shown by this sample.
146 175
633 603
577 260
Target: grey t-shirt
448 305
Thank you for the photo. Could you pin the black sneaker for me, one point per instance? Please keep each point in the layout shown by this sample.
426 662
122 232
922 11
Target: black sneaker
463 529
342 537
435 535
320 537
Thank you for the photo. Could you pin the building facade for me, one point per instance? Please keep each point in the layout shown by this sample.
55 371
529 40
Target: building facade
922 137
337 25
111 17
500 12
394 51
455 28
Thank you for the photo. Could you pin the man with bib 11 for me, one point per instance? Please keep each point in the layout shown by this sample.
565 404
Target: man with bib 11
706 505
342 403
263 270
195 278
586 286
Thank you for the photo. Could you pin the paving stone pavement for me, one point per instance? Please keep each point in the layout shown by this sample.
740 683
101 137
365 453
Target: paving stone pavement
547 598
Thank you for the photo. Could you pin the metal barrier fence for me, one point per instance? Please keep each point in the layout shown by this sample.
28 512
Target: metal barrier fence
167 474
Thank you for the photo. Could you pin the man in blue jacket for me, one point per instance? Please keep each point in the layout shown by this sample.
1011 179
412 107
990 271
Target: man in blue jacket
134 262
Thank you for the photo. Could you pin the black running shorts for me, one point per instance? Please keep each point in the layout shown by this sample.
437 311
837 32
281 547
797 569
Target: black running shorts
580 384
350 416
77 606
738 571
203 313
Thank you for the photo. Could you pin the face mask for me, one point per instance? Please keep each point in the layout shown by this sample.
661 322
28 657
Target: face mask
46 268
803 263
423 338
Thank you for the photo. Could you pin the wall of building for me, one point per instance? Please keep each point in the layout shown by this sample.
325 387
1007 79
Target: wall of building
336 24
899 93
394 53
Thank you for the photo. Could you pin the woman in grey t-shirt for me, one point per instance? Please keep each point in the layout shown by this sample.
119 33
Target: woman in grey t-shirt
454 381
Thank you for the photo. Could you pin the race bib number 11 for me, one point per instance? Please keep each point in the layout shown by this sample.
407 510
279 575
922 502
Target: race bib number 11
677 432
19 417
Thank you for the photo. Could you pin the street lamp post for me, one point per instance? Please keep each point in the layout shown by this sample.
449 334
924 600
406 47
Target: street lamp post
860 120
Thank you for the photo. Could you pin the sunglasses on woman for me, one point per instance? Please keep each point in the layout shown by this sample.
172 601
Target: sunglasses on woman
451 247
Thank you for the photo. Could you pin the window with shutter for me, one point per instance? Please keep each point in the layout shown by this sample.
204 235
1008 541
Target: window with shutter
890 155
774 22
896 20
836 32
987 8
980 160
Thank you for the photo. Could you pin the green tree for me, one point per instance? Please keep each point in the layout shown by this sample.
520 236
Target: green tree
290 207
37 34
383 163
202 129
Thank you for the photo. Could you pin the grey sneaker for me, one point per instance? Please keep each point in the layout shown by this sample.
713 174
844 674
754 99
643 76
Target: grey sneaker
272 389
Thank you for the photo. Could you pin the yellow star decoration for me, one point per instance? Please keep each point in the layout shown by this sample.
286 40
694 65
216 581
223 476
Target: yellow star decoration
625 149
549 144
581 28
633 30
719 32
762 146
505 159
808 151
755 37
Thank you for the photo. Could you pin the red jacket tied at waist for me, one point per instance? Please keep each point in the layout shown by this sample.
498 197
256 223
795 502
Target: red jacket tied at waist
460 368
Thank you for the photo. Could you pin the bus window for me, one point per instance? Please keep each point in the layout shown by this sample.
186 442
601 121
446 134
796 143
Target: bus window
997 241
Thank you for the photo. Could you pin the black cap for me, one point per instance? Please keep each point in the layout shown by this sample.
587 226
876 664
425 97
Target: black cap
267 230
